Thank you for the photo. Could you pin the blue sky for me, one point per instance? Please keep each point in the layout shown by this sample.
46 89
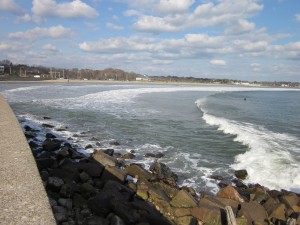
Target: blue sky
234 39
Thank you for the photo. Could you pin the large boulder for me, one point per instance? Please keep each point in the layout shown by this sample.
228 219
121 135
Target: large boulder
183 200
170 190
160 200
290 200
278 213
92 168
230 193
229 202
142 190
100 204
271 204
186 220
114 173
121 190
241 174
162 172
51 144
138 171
259 194
68 174
208 215
180 212
104 159
124 210
253 212
211 201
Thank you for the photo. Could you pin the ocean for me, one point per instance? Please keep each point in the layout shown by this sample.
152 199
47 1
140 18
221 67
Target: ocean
201 130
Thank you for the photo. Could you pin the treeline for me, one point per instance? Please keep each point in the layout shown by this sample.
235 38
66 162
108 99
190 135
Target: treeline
23 70
189 79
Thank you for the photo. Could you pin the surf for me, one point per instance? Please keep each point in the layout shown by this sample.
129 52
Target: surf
269 159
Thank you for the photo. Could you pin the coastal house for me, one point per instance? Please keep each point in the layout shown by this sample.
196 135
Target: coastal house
1 69
144 78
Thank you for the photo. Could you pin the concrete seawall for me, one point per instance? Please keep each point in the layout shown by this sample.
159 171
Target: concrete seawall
23 199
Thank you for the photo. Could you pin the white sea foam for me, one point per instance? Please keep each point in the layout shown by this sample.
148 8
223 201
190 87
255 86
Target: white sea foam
269 160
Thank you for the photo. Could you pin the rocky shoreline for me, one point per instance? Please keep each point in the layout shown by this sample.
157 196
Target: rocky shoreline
101 189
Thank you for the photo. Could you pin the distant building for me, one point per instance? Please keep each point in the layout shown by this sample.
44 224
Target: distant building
144 78
1 69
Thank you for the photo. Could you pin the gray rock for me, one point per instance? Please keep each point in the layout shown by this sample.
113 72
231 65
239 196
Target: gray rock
66 191
125 211
52 202
86 212
59 209
65 202
88 146
60 217
96 220
44 175
51 144
54 183
87 190
109 151
115 220
44 163
49 135
62 154
79 201
128 156
100 204
84 177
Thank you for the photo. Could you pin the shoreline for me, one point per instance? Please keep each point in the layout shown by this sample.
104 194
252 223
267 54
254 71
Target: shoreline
146 83
249 203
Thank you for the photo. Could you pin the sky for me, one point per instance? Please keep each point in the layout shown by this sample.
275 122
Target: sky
253 40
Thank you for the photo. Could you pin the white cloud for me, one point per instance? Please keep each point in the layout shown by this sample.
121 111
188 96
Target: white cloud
224 13
205 40
69 10
240 27
10 6
50 48
288 51
118 45
218 62
251 47
55 32
155 25
190 46
24 18
297 17
8 46
114 27
174 6
160 6
131 12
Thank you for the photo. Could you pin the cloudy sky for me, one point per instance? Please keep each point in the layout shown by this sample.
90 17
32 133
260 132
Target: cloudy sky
234 39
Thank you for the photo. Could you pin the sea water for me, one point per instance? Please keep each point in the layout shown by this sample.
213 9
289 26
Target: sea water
201 130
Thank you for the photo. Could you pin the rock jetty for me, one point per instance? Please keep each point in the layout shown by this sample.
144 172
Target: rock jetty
101 189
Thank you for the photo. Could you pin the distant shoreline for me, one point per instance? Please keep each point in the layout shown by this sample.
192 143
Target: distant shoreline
77 81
